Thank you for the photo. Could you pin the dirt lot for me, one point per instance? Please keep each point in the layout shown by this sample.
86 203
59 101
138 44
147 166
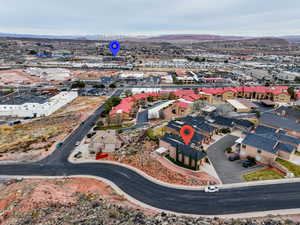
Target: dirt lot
17 76
37 138
92 74
18 198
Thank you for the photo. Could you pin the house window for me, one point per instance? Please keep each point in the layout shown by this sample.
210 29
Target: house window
243 146
259 151
174 111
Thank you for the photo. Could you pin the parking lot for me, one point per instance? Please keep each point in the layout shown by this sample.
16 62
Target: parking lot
229 172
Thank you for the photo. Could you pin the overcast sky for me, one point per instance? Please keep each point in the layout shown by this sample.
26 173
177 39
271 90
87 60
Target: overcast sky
69 17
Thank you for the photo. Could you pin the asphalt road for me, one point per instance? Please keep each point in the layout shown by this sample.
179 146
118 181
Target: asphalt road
227 201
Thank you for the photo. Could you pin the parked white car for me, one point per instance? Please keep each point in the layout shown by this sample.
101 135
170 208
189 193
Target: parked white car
211 189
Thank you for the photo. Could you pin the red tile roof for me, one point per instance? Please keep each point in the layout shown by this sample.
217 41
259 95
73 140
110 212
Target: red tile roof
278 90
183 105
229 89
189 95
297 95
213 79
181 93
188 98
125 106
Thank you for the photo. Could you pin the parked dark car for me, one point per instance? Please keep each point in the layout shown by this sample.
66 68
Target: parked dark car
233 157
248 163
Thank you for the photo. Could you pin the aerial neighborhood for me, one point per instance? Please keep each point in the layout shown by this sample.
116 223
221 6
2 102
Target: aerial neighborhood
173 126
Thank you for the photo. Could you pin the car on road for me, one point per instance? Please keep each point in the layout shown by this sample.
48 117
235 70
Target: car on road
233 157
59 144
248 163
211 189
77 143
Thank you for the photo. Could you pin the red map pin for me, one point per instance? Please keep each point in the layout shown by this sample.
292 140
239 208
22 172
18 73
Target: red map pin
187 133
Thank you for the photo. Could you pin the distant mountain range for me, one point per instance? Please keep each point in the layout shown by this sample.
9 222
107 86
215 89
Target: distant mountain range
166 38
208 37
197 37
86 37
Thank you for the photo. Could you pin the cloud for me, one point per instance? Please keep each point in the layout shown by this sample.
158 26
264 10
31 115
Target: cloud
242 17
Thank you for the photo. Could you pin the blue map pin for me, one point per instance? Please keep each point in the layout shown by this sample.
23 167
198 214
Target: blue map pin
114 47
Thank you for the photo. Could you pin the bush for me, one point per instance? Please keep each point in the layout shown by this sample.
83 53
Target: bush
150 99
109 104
228 150
100 123
98 86
225 130
151 136
112 86
179 163
78 84
251 159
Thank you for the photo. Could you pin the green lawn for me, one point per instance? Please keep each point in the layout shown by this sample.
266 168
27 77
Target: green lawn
263 174
116 127
295 169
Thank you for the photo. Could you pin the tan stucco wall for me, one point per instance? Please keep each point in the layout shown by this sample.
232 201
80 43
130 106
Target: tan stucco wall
266 157
228 95
282 98
285 155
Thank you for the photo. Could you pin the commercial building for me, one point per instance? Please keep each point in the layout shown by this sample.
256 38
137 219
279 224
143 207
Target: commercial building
238 106
35 106
156 111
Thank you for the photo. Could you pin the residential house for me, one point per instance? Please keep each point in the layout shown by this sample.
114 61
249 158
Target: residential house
224 122
123 111
267 143
104 141
289 112
276 121
200 126
276 94
199 137
182 153
229 93
177 109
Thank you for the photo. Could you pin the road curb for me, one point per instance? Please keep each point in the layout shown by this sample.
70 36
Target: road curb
141 173
146 206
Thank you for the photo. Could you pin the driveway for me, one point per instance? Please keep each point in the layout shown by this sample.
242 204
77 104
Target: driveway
229 172
142 117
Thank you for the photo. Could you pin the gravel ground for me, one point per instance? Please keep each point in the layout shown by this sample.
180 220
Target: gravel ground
91 209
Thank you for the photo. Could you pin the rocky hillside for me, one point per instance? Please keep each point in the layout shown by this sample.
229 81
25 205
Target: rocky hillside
94 211
87 201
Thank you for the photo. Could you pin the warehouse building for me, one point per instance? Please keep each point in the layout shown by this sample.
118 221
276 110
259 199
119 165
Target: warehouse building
35 106
238 106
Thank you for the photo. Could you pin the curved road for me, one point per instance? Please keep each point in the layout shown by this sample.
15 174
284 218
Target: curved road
227 201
